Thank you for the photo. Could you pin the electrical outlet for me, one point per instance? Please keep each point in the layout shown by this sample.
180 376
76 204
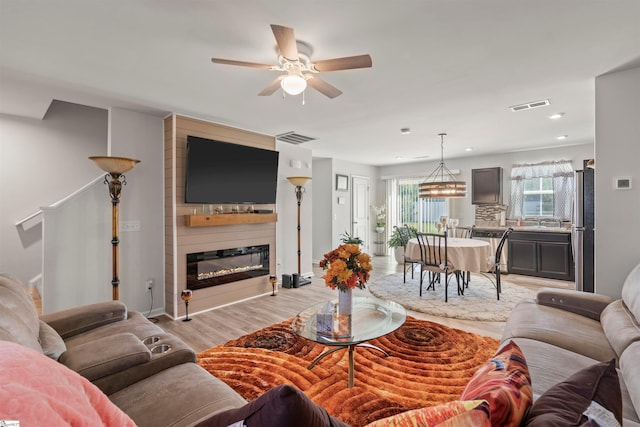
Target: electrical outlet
148 284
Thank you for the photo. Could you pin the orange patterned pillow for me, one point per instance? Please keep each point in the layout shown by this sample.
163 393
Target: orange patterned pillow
505 383
450 414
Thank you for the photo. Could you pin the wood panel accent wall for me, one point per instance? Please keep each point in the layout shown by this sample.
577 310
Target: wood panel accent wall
181 239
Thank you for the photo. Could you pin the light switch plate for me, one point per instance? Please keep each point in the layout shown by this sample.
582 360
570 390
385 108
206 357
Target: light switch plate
129 226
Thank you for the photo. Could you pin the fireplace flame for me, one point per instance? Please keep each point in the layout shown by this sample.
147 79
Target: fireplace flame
227 271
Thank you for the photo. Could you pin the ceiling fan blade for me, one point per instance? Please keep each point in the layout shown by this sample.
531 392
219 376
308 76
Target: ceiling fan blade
323 87
286 41
242 63
347 63
273 86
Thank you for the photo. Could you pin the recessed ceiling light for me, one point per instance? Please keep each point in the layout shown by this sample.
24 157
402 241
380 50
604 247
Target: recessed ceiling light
468 149
561 137
405 131
556 116
399 157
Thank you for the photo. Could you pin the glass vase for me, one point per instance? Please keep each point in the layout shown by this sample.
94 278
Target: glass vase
343 318
345 301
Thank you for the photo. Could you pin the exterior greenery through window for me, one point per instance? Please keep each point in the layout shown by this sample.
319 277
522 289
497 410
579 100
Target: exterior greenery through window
406 207
542 190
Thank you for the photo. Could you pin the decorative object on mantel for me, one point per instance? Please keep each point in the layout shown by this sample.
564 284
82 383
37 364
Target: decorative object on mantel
436 187
347 268
115 168
186 296
299 182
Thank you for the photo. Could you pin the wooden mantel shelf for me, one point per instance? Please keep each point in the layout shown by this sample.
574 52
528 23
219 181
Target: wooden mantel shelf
228 219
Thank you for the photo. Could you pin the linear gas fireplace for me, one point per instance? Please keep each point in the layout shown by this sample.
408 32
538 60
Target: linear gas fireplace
223 266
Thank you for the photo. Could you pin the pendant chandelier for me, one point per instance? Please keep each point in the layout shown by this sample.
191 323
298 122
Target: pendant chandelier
441 184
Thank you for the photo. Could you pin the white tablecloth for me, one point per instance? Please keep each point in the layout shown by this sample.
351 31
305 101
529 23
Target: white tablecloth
462 254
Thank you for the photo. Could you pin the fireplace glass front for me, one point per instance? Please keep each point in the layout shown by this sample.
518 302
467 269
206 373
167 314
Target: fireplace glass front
223 266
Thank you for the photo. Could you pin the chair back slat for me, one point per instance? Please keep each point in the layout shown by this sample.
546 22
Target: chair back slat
402 233
433 249
503 239
461 232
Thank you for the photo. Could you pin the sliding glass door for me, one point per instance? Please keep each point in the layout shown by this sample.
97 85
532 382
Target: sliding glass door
410 209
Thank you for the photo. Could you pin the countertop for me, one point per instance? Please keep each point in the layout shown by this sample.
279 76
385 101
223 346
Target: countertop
528 228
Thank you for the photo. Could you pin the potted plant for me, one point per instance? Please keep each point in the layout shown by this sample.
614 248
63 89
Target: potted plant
380 213
348 238
395 243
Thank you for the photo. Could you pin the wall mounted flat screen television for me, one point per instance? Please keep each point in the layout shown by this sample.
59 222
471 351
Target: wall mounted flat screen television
221 172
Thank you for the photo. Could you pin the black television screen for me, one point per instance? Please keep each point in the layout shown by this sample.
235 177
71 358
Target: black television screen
223 172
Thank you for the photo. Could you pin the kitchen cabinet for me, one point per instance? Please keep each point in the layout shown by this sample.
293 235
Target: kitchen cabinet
541 254
486 186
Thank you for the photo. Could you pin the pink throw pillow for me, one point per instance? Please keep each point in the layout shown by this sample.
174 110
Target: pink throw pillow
38 391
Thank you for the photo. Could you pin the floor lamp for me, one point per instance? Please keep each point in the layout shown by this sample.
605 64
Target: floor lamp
115 167
299 182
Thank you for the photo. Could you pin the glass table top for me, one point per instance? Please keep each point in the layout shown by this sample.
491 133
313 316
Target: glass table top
371 318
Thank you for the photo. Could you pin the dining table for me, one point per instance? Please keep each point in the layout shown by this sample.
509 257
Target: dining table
462 253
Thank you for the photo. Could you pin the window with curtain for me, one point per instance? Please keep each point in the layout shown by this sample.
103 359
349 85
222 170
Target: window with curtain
542 190
406 207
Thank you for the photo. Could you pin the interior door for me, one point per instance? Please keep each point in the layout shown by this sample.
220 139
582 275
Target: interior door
360 210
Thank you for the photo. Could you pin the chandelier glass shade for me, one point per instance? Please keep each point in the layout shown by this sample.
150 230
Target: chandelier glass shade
293 84
441 184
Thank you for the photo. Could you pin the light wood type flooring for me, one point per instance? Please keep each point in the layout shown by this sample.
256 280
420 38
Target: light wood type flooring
223 324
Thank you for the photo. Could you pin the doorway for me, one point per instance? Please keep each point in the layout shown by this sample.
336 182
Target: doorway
360 210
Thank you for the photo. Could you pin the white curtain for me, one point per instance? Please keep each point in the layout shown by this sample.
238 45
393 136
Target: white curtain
563 176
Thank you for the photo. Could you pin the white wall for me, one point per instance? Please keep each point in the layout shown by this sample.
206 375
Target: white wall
287 208
323 202
462 208
617 150
331 218
41 162
76 246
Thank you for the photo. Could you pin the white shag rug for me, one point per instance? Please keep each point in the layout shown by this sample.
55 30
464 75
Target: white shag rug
479 301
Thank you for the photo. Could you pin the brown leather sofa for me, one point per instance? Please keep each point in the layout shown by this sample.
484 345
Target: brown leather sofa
150 375
562 332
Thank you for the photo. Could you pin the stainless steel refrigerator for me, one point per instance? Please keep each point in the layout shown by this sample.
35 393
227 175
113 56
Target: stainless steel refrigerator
583 229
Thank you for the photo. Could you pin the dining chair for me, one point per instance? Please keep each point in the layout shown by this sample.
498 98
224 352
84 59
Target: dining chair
404 232
463 233
434 261
494 261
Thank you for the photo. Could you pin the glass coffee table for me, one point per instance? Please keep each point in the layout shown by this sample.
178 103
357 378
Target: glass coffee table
371 318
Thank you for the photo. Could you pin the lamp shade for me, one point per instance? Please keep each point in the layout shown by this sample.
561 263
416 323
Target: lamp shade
114 165
293 84
442 189
299 181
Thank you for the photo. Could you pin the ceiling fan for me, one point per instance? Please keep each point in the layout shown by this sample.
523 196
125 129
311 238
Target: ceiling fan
298 69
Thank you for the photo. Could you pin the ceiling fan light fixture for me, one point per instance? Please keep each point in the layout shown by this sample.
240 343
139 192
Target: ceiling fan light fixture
293 84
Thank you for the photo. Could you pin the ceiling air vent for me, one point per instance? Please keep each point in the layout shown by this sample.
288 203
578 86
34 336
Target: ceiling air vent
530 105
294 138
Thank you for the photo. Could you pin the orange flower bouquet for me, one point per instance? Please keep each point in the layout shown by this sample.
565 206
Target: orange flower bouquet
347 267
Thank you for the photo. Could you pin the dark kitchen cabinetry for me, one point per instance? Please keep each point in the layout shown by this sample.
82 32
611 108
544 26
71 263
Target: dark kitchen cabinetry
486 186
541 254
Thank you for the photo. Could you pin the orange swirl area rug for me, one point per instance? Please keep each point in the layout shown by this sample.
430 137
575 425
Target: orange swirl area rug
428 364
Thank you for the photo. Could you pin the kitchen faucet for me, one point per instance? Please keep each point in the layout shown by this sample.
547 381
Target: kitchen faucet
539 222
